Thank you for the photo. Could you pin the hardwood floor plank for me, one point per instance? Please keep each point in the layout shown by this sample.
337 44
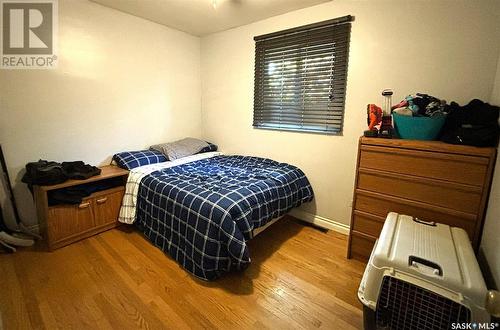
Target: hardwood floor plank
172 287
14 312
74 305
119 299
299 278
141 288
28 296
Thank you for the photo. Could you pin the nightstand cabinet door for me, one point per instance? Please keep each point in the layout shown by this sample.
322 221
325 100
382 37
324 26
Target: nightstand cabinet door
66 221
107 208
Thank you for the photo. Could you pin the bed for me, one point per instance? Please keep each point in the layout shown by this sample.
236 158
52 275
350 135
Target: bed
202 209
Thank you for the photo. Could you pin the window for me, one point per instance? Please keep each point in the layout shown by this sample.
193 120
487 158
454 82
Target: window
300 77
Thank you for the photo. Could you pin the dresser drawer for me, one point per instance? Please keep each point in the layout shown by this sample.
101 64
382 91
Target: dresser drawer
65 221
465 198
367 223
380 205
361 246
470 170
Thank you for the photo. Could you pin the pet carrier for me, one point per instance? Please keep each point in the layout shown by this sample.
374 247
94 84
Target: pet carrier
422 275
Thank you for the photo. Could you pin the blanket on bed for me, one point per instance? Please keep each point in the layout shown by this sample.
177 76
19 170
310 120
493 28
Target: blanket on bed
202 213
135 176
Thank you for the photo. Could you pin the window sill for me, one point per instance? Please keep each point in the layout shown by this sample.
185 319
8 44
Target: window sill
299 130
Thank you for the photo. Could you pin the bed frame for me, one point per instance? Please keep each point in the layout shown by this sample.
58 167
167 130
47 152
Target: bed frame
259 230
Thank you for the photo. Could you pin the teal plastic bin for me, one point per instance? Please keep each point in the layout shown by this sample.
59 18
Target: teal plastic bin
418 128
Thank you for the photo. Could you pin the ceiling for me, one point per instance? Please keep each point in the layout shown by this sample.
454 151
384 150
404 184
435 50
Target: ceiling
199 17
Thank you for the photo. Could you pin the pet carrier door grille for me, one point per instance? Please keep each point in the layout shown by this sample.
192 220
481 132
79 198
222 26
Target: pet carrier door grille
402 305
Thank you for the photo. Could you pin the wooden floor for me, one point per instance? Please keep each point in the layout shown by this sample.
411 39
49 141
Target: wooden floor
299 278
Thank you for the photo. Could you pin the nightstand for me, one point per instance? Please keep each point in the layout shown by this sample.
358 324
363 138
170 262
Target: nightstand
63 224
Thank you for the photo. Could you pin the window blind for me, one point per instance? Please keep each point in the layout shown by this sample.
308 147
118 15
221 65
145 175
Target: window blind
300 77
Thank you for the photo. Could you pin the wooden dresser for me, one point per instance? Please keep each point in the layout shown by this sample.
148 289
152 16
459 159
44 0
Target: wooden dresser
429 180
63 224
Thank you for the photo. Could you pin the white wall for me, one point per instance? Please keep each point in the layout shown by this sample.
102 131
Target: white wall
495 93
490 243
447 49
122 83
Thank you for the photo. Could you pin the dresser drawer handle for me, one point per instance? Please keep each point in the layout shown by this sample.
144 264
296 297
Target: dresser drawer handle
84 205
102 200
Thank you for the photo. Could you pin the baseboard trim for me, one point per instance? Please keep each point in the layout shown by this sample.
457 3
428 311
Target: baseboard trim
320 221
316 220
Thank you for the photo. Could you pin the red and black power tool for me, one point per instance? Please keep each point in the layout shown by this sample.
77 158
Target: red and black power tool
374 114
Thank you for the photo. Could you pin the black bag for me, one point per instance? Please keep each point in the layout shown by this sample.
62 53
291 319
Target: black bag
475 124
44 172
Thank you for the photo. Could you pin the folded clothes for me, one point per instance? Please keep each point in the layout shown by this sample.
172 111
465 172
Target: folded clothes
46 172
423 105
79 170
76 194
403 112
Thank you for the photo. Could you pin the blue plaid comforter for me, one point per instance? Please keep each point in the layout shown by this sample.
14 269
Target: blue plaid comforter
202 213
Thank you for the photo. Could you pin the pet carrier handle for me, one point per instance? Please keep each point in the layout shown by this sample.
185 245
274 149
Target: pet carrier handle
427 223
413 261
